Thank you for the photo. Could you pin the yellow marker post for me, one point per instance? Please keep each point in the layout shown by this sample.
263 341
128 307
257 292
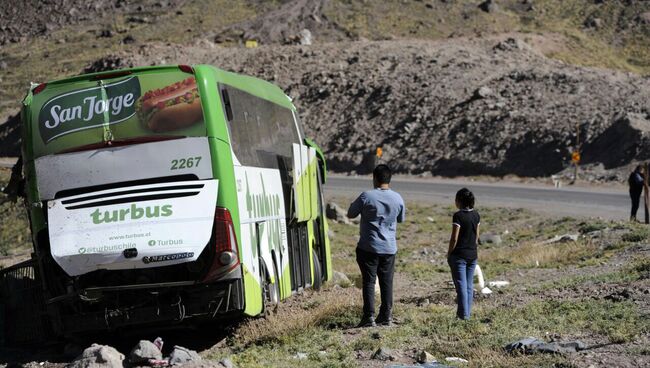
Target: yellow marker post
380 152
251 44
575 157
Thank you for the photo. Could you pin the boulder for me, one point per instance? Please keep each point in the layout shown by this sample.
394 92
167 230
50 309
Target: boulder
305 37
98 356
336 213
644 18
383 354
144 351
181 355
226 363
425 357
341 279
531 345
490 238
483 92
489 6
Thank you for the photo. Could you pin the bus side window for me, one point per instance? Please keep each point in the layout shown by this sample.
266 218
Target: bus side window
262 133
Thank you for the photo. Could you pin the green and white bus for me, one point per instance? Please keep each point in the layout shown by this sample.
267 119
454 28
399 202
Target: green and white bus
169 194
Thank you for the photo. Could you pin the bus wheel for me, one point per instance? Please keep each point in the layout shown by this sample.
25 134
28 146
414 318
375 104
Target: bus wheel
318 273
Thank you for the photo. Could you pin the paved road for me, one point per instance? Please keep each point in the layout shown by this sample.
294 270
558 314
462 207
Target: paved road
576 202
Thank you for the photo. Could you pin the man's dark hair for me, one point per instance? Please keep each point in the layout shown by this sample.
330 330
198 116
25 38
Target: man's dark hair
465 198
382 174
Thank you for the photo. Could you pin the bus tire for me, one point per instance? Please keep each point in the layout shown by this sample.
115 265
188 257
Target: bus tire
318 273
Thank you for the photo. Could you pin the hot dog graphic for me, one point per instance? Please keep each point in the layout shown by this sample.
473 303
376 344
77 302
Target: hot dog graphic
173 107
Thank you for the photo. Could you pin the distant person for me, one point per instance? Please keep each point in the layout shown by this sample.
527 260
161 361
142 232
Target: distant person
380 209
463 253
635 182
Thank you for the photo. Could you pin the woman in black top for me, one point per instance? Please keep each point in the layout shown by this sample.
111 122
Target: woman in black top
462 254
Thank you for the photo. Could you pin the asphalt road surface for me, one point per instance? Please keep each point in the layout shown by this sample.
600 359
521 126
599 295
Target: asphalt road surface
576 202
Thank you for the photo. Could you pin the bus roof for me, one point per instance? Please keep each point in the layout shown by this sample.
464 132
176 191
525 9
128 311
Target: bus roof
252 85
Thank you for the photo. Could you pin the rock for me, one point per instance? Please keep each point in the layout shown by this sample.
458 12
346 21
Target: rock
490 238
619 296
336 213
383 354
98 356
531 345
456 360
305 37
593 23
3 65
510 44
566 238
181 355
144 351
644 18
483 92
425 357
340 279
489 6
300 356
128 40
227 363
106 33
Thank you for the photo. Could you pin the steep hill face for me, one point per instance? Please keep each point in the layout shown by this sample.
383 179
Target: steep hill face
461 107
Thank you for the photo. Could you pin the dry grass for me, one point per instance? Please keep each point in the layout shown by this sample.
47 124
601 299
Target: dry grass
326 309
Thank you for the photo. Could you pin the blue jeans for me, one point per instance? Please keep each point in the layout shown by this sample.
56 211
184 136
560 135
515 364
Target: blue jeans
462 272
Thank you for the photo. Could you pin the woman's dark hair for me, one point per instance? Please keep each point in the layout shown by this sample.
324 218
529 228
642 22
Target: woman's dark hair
382 174
465 198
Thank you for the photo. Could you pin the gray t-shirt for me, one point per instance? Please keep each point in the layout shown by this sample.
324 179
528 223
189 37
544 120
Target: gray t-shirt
380 210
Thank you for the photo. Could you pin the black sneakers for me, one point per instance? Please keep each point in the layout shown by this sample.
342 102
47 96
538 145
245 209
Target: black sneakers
381 321
367 322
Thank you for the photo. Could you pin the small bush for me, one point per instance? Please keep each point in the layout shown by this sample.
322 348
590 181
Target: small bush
635 236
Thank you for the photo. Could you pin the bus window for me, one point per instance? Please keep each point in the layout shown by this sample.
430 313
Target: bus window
261 132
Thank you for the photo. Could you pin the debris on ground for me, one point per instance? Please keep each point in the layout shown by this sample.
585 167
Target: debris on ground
498 284
98 356
532 345
456 360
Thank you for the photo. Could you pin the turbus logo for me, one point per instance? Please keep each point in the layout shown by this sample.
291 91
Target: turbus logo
132 213
88 108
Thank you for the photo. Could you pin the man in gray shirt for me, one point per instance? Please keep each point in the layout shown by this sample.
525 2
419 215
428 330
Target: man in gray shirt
380 209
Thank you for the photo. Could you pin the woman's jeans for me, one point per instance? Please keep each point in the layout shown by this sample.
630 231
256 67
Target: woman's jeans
462 272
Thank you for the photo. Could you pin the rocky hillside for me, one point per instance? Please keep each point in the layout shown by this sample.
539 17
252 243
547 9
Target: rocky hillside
461 107
445 87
